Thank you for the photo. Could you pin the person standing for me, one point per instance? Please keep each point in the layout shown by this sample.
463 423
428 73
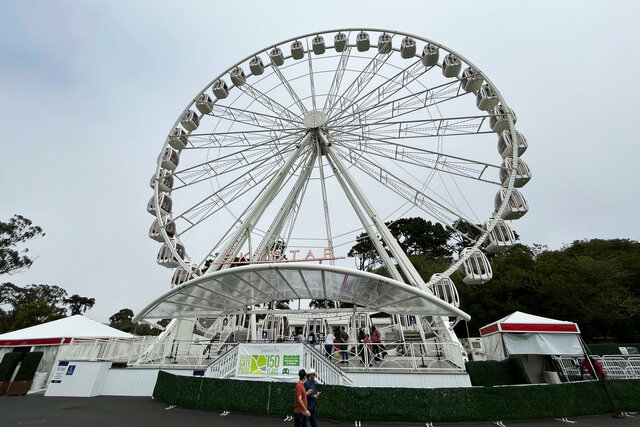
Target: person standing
310 386
300 410
344 343
328 343
376 337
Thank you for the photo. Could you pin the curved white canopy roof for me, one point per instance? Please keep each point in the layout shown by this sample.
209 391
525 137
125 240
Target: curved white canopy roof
233 289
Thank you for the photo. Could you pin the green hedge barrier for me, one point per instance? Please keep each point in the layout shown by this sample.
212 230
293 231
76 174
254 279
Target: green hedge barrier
8 365
492 372
29 366
402 404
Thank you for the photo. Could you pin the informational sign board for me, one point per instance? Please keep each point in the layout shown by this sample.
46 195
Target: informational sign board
261 361
60 371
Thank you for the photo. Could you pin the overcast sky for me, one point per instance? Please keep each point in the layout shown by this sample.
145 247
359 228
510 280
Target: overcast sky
89 91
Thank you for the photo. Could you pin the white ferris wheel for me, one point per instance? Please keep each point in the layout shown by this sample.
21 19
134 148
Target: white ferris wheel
300 147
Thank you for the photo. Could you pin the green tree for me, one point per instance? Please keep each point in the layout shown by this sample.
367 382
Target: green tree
17 230
78 304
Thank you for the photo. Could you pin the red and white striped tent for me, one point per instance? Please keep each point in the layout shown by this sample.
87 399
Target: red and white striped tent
522 333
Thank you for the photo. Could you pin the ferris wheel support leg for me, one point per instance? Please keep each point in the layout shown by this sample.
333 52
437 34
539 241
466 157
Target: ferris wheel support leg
235 243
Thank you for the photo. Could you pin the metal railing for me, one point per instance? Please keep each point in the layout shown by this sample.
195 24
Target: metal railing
326 371
616 367
225 365
365 357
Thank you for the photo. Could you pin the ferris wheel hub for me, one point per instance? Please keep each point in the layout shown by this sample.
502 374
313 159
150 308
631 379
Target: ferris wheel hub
314 119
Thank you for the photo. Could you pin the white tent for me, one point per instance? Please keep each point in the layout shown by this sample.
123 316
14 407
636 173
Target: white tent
522 333
60 332
50 337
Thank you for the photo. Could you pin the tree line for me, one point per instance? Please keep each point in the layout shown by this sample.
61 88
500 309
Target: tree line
595 283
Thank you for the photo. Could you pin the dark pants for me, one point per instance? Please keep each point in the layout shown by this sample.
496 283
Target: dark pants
299 420
328 349
312 419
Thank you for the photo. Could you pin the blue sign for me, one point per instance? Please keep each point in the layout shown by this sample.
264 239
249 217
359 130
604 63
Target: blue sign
71 369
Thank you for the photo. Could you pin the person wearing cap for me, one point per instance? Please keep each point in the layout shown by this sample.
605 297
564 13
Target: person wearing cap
301 411
312 395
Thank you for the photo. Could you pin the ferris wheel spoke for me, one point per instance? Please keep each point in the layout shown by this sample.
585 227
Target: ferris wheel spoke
277 141
250 161
400 149
405 190
250 117
248 181
406 104
387 88
311 78
360 82
289 89
270 103
337 78
440 164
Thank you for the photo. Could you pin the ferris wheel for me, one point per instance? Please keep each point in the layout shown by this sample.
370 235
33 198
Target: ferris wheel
295 150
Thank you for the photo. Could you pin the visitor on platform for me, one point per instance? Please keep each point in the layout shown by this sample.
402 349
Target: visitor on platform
344 344
300 411
361 335
312 395
367 350
328 343
376 338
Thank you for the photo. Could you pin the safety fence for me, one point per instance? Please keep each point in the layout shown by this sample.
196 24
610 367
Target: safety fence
615 367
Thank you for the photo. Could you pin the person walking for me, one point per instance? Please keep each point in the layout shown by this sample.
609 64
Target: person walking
300 410
310 386
328 343
344 343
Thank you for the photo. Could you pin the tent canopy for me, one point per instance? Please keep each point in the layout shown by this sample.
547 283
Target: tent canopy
522 333
234 289
524 322
60 331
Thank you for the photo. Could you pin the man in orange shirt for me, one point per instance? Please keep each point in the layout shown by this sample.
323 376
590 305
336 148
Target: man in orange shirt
300 409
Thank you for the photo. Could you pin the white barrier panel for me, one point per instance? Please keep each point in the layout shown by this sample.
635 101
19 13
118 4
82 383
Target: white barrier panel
78 379
265 361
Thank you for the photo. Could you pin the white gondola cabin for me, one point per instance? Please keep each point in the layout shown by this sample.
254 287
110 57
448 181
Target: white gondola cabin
499 121
487 98
451 66
445 289
165 205
238 77
178 139
384 43
363 42
408 48
190 120
256 66
182 275
317 44
505 144
516 207
340 42
277 58
501 238
297 50
220 89
430 55
170 159
204 104
155 234
523 173
476 269
166 258
165 181
471 80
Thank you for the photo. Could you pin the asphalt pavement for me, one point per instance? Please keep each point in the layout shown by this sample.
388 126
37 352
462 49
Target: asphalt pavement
144 411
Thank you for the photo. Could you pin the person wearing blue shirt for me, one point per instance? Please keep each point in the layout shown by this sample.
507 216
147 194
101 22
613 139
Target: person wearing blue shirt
310 384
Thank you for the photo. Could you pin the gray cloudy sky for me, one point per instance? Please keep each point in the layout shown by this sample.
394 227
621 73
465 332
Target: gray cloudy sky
89 91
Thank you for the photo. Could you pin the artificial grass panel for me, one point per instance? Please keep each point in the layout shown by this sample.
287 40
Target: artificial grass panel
29 366
8 365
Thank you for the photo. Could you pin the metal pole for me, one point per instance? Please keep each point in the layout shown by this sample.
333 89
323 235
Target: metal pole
616 413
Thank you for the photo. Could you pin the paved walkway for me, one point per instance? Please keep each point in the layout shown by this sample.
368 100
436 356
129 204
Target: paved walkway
144 411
